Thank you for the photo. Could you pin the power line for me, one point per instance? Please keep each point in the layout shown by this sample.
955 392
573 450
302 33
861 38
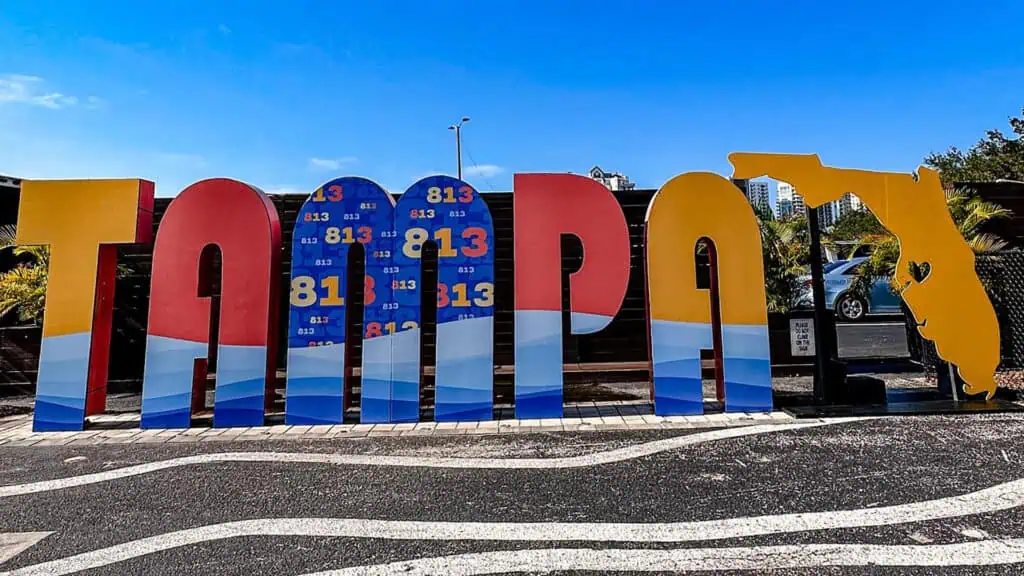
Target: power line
477 166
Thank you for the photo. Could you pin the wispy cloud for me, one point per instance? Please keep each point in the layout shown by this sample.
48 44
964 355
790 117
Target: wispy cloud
483 170
331 163
23 89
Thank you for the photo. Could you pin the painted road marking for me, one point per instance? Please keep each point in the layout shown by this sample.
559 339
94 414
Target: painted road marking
994 499
988 553
608 457
14 543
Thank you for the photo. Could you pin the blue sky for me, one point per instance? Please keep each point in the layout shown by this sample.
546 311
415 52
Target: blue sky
288 97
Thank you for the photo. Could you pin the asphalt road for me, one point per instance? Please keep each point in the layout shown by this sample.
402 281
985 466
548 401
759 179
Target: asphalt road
875 337
870 494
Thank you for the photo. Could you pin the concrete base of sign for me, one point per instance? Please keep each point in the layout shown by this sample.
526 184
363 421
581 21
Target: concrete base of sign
899 403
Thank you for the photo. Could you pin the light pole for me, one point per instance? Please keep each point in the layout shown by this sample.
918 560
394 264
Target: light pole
458 141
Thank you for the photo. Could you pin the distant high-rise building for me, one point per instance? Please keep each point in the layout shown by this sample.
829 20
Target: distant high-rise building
788 197
614 181
847 204
784 200
826 215
791 199
757 194
798 203
783 208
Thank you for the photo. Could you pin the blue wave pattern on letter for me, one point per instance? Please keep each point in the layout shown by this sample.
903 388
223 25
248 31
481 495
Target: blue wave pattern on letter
538 358
240 396
375 398
465 368
450 213
586 323
314 389
342 213
404 403
748 368
61 382
675 351
167 381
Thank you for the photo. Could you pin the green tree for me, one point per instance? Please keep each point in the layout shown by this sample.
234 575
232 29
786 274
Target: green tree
7 236
23 288
993 157
763 212
855 226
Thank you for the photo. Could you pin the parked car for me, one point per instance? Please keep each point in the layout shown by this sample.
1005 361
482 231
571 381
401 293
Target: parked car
839 295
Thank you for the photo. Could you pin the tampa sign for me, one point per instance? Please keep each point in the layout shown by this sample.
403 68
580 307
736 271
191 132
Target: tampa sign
84 220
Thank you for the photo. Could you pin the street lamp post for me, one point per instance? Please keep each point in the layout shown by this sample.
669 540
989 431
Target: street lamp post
458 141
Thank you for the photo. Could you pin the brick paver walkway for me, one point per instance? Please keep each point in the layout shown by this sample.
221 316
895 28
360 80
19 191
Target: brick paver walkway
124 428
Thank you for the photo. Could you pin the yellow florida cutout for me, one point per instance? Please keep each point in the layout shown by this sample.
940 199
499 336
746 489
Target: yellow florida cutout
950 304
686 209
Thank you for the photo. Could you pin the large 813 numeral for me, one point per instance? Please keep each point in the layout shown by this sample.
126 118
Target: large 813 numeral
304 294
484 297
415 237
334 235
447 195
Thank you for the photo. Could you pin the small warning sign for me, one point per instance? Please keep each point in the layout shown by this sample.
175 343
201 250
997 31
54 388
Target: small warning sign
801 336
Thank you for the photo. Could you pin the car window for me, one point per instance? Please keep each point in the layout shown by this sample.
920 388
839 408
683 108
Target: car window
852 270
832 266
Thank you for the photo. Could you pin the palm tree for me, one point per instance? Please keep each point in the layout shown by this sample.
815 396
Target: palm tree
786 248
23 288
8 233
971 213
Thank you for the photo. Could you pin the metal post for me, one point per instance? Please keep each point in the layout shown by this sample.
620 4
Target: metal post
952 382
821 347
457 127
458 147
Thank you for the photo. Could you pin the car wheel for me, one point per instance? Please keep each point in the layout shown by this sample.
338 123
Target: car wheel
851 307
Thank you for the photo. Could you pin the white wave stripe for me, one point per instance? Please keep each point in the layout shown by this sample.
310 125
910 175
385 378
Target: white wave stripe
986 553
607 457
996 498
